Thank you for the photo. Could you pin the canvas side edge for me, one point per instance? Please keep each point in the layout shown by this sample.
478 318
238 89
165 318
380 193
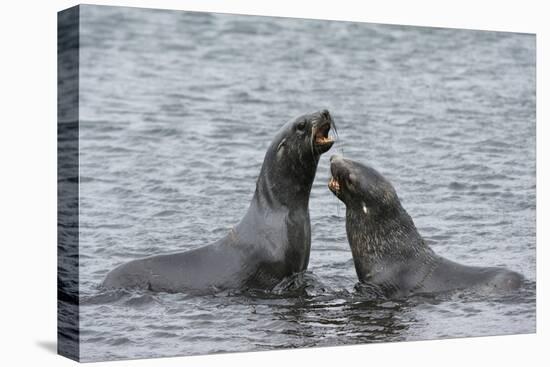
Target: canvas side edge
68 44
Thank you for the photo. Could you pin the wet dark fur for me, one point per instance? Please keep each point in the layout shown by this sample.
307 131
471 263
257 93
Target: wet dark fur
271 242
388 252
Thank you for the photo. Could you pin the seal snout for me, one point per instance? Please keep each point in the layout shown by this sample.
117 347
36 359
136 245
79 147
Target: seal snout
338 166
338 170
335 157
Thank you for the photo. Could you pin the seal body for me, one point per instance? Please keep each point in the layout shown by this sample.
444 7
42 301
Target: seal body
389 254
273 239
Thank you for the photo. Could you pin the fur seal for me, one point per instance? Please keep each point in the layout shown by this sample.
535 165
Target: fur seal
390 256
273 239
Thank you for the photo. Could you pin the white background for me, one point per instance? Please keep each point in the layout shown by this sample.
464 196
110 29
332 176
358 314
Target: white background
28 181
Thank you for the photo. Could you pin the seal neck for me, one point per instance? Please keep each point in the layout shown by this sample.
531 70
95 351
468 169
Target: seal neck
279 214
284 184
378 240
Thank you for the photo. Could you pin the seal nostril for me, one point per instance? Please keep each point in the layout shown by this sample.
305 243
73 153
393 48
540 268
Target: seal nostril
325 114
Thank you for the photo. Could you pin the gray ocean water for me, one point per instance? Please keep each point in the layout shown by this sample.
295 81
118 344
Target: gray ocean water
177 110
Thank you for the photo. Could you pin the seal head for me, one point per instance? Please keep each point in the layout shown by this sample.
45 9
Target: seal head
291 160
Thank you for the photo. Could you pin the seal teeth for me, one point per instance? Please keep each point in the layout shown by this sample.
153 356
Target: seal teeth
322 137
333 184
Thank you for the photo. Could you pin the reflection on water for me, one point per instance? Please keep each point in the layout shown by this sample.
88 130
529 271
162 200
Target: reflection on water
177 110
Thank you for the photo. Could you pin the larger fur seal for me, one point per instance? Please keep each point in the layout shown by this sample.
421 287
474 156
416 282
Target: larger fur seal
273 239
390 256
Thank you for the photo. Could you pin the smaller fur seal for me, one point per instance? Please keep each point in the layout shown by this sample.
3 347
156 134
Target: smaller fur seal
390 256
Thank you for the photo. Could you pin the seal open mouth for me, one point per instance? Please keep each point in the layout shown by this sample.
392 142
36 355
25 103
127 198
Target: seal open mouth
338 172
322 141
334 185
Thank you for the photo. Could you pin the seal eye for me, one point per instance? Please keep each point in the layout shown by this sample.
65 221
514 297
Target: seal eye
302 125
